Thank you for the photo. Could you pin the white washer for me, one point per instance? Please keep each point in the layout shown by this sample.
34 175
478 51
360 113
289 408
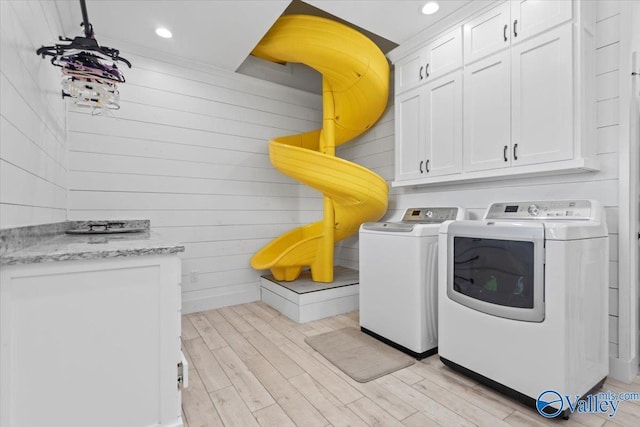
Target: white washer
398 273
523 298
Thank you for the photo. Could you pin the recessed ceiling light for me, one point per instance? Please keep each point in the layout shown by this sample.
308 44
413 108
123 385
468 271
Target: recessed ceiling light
430 8
164 33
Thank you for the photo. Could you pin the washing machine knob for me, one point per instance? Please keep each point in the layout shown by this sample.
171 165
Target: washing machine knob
533 210
429 214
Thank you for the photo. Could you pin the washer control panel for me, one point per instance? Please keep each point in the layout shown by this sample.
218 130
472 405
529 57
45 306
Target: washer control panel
429 215
563 209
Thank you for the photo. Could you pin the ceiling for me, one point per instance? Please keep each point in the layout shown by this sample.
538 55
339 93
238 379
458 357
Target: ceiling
222 33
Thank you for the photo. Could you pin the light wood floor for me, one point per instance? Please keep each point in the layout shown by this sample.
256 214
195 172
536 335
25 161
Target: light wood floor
249 366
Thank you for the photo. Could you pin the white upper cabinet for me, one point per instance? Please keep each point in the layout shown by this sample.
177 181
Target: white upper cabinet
519 104
443 125
525 89
487 34
542 110
531 17
409 129
436 59
487 112
429 121
510 23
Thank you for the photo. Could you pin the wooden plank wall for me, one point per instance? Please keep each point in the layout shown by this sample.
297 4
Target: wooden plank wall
374 150
33 165
189 150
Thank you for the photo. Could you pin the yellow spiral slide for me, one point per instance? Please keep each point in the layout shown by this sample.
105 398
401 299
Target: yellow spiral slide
355 85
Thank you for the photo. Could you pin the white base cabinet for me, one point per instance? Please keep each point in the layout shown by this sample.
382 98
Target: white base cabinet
92 343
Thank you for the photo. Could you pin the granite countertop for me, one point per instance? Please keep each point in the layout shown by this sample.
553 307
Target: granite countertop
59 246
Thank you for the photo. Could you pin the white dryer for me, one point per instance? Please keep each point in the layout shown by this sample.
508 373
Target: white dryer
523 298
398 279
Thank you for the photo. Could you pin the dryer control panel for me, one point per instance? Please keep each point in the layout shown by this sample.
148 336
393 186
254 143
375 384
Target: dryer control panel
429 215
557 210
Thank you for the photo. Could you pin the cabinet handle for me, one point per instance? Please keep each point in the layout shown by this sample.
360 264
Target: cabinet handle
421 162
426 70
504 153
420 73
504 32
515 32
427 165
515 154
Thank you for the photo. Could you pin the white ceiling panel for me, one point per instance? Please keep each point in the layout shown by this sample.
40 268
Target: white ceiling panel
218 33
222 33
395 20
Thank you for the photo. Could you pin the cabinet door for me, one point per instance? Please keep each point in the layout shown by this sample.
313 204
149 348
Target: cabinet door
408 73
531 17
542 98
442 55
487 113
90 342
438 58
409 115
443 126
487 34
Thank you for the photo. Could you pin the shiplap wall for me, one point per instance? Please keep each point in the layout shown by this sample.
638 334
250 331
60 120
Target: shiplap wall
374 150
33 165
189 150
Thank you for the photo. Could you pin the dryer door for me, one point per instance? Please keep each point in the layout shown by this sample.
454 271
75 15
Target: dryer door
497 268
